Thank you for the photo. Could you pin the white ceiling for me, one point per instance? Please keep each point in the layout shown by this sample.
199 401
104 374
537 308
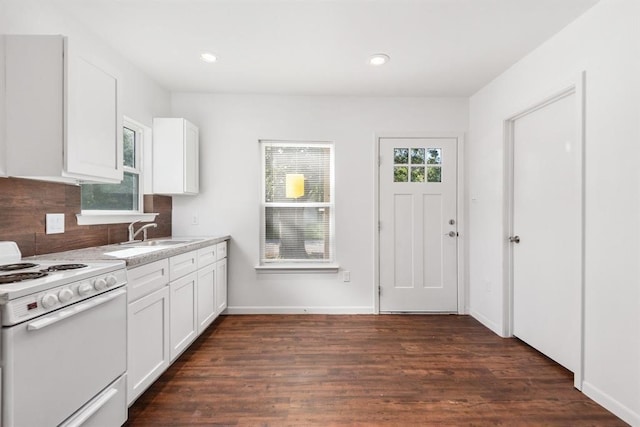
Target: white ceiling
321 47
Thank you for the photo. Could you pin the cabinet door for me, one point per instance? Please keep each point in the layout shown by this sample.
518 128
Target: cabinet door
94 120
175 156
147 341
3 161
184 325
191 167
221 286
206 296
34 100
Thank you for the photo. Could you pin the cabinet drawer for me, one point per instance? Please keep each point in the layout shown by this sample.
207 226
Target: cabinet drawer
109 408
207 256
182 264
145 279
221 249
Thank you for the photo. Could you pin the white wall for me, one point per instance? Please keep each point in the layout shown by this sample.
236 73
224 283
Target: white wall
142 97
230 127
605 42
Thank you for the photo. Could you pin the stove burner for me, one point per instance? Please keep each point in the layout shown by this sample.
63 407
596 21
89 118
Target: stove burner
17 266
19 277
62 267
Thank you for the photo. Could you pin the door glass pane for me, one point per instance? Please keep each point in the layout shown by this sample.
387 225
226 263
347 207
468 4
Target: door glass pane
434 156
417 156
400 174
434 174
401 156
417 174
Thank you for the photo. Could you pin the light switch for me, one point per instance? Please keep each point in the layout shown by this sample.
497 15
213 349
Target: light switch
55 223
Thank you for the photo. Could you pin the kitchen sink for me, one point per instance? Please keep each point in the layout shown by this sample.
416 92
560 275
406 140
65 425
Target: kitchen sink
159 243
145 247
134 251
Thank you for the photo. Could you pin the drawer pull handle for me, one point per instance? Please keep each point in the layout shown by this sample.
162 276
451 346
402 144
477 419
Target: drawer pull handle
95 407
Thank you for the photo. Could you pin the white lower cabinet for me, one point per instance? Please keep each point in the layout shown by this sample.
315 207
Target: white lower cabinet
206 296
148 341
221 286
171 302
221 277
182 301
206 311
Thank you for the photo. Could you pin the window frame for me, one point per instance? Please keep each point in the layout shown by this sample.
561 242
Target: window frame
319 265
99 216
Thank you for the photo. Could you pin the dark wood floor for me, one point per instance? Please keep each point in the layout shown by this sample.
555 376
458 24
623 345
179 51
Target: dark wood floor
362 370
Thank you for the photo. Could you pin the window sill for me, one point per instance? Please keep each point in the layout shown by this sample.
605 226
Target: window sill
297 268
114 218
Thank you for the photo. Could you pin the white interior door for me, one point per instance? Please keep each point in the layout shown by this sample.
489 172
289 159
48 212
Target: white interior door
547 218
418 225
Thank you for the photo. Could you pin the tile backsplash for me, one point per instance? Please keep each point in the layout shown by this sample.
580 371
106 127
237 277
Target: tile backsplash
24 204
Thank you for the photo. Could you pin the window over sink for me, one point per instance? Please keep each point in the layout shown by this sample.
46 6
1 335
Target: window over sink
123 202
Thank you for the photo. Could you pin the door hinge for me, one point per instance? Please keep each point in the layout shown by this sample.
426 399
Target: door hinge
379 160
379 225
379 290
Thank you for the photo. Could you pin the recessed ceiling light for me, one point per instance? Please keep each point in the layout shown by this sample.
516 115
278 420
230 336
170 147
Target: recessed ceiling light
379 59
208 57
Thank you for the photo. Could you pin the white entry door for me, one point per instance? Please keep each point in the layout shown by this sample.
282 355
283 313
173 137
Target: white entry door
418 225
547 218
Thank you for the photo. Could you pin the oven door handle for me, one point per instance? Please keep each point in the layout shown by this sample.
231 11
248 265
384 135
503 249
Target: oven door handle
73 310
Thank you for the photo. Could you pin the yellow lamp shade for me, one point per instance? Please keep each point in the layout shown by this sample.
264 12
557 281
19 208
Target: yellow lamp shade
294 185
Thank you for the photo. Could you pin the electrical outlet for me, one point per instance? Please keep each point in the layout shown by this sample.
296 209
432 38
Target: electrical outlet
346 276
55 223
194 219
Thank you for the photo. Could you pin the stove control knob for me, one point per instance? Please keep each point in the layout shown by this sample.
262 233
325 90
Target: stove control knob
85 289
49 300
100 284
111 280
65 295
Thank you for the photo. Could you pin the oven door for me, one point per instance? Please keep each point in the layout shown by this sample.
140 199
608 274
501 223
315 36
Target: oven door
54 364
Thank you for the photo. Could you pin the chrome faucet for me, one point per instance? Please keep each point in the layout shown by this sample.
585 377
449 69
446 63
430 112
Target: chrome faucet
132 235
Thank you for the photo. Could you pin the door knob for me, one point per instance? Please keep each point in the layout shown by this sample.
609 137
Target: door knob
452 234
514 239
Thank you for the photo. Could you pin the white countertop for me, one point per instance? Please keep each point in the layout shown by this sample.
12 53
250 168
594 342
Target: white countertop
134 256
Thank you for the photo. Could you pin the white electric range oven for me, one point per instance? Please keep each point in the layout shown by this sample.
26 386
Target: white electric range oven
63 342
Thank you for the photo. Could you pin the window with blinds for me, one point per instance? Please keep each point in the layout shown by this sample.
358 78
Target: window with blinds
297 224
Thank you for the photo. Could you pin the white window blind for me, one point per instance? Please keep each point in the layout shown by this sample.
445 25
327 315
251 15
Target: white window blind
297 213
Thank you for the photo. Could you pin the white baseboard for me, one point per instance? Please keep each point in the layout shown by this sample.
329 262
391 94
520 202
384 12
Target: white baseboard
486 322
612 405
299 310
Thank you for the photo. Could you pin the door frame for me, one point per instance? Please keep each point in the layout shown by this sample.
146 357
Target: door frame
460 210
577 87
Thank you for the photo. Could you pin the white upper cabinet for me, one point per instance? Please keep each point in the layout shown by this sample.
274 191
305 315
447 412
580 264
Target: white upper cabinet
63 118
175 156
